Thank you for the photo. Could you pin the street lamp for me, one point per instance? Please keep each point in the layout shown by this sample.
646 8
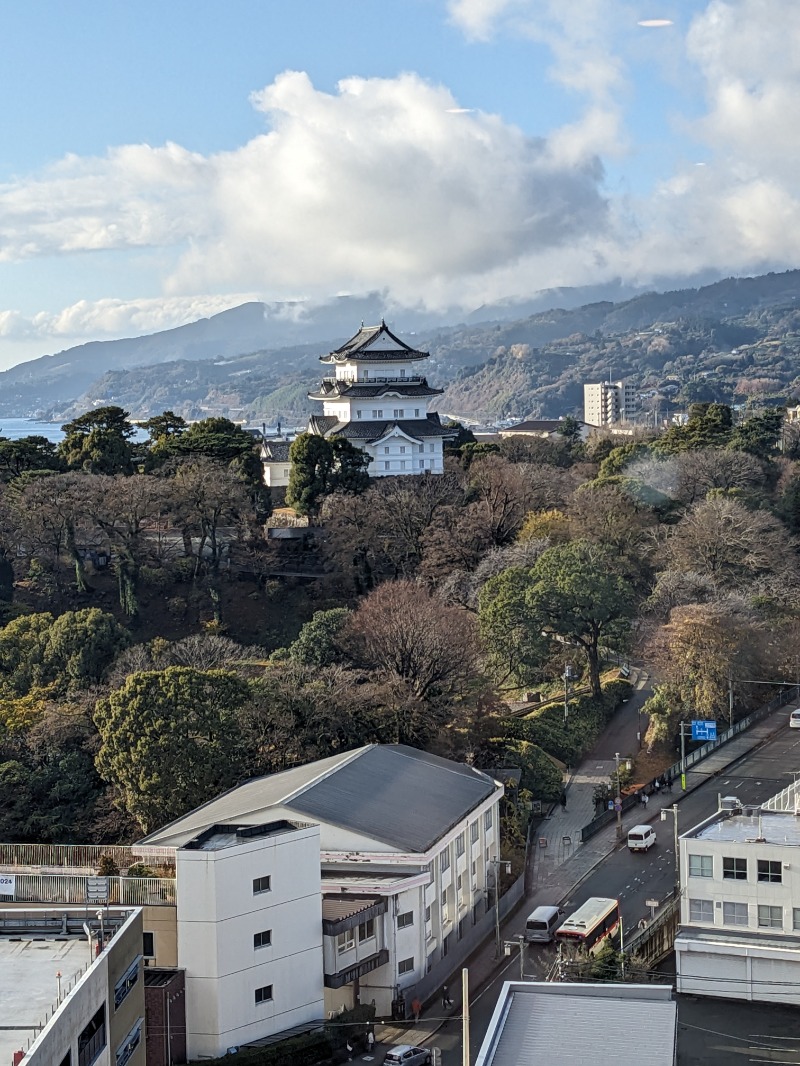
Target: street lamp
494 863
618 801
673 810
520 942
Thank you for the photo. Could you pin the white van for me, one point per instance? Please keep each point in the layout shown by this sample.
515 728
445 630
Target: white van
541 924
794 719
641 837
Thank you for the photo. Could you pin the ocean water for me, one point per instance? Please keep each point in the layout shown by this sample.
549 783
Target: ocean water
14 428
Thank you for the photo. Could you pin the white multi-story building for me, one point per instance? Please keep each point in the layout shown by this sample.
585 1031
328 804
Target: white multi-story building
606 403
249 932
405 863
378 399
740 903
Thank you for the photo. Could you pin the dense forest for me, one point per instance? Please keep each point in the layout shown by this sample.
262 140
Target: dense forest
156 647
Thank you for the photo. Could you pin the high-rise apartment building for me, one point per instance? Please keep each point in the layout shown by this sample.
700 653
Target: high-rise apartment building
608 402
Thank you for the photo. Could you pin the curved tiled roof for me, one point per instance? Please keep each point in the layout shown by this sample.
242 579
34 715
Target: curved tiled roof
357 390
370 431
357 348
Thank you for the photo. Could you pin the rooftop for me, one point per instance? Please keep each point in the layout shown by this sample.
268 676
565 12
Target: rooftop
373 343
762 826
217 837
404 798
563 1024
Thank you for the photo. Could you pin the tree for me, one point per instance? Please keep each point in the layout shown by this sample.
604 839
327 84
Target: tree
703 469
164 427
28 453
170 740
572 594
317 643
760 434
53 521
321 467
515 648
402 631
218 439
99 442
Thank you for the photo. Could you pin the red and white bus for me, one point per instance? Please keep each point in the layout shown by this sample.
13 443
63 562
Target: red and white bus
591 924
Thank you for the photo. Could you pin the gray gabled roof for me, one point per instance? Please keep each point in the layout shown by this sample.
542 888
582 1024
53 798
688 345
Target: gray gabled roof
367 430
358 347
405 798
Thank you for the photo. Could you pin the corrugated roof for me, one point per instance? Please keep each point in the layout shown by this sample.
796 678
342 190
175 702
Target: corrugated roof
405 798
396 794
601 1027
335 908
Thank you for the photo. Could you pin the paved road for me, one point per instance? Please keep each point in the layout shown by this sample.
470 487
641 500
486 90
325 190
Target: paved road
634 878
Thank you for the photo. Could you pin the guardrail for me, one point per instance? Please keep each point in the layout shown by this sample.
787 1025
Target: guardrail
82 856
694 757
656 939
71 888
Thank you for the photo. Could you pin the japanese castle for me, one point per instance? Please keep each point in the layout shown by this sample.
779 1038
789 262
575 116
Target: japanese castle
378 399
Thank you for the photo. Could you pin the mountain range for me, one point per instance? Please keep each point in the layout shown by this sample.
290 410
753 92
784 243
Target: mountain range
739 337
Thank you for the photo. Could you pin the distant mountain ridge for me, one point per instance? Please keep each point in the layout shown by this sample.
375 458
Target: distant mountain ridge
256 361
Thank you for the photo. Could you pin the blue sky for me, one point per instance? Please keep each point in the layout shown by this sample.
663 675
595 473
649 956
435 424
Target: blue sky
162 161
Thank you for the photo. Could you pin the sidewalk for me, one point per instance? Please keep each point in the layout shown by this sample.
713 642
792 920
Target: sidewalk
566 865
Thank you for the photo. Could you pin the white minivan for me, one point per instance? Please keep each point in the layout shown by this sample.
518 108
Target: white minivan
541 924
794 719
641 837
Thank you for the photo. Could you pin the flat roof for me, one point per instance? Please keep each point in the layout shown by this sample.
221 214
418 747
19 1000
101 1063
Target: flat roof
28 984
561 1024
767 827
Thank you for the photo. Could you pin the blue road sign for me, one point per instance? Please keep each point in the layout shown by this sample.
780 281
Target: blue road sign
703 729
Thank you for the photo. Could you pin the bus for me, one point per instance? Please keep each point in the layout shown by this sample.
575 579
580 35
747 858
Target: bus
591 924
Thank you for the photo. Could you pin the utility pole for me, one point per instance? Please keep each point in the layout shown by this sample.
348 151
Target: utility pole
683 757
465 1017
618 802
730 702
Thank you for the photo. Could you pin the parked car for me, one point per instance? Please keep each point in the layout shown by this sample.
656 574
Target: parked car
641 837
794 719
406 1055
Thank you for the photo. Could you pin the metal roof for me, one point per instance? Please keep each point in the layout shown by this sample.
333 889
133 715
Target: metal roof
405 798
557 1024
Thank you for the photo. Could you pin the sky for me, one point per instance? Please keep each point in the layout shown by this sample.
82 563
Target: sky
160 162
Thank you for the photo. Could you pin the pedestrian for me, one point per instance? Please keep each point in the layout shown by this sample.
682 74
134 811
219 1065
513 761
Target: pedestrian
656 784
370 1040
645 800
563 799
669 781
416 1009
447 1003
349 1047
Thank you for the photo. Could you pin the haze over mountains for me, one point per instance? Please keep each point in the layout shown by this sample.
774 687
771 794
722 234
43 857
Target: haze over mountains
255 362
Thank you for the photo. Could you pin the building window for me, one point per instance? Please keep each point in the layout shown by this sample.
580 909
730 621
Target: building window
422 464
474 833
262 939
402 449
345 941
126 983
734 869
148 945
701 910
430 447
460 846
770 917
264 994
285 471
92 1038
402 464
358 414
387 465
427 914
405 920
399 412
796 918
769 870
701 866
405 966
487 819
734 914
431 959
416 412
385 451
444 860
445 911
262 884
129 1044
366 931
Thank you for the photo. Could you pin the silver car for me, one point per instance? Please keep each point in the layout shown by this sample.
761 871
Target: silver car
407 1055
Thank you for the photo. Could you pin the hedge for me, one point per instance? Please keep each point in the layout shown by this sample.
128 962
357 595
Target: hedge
305 1050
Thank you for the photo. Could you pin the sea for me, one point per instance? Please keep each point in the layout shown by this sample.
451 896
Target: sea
14 428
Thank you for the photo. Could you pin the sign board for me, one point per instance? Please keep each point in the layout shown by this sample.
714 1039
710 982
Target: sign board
97 890
703 729
651 903
8 885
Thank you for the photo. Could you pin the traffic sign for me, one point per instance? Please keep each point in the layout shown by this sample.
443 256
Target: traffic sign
97 890
651 903
703 729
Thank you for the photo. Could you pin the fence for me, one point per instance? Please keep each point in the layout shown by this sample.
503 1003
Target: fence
81 856
656 940
71 888
696 756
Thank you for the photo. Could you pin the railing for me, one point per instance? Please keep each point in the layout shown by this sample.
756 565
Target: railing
657 938
378 381
71 888
787 800
695 757
81 856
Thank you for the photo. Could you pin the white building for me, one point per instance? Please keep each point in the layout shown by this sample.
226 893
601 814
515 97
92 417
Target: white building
608 402
276 462
378 399
408 849
249 932
740 903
